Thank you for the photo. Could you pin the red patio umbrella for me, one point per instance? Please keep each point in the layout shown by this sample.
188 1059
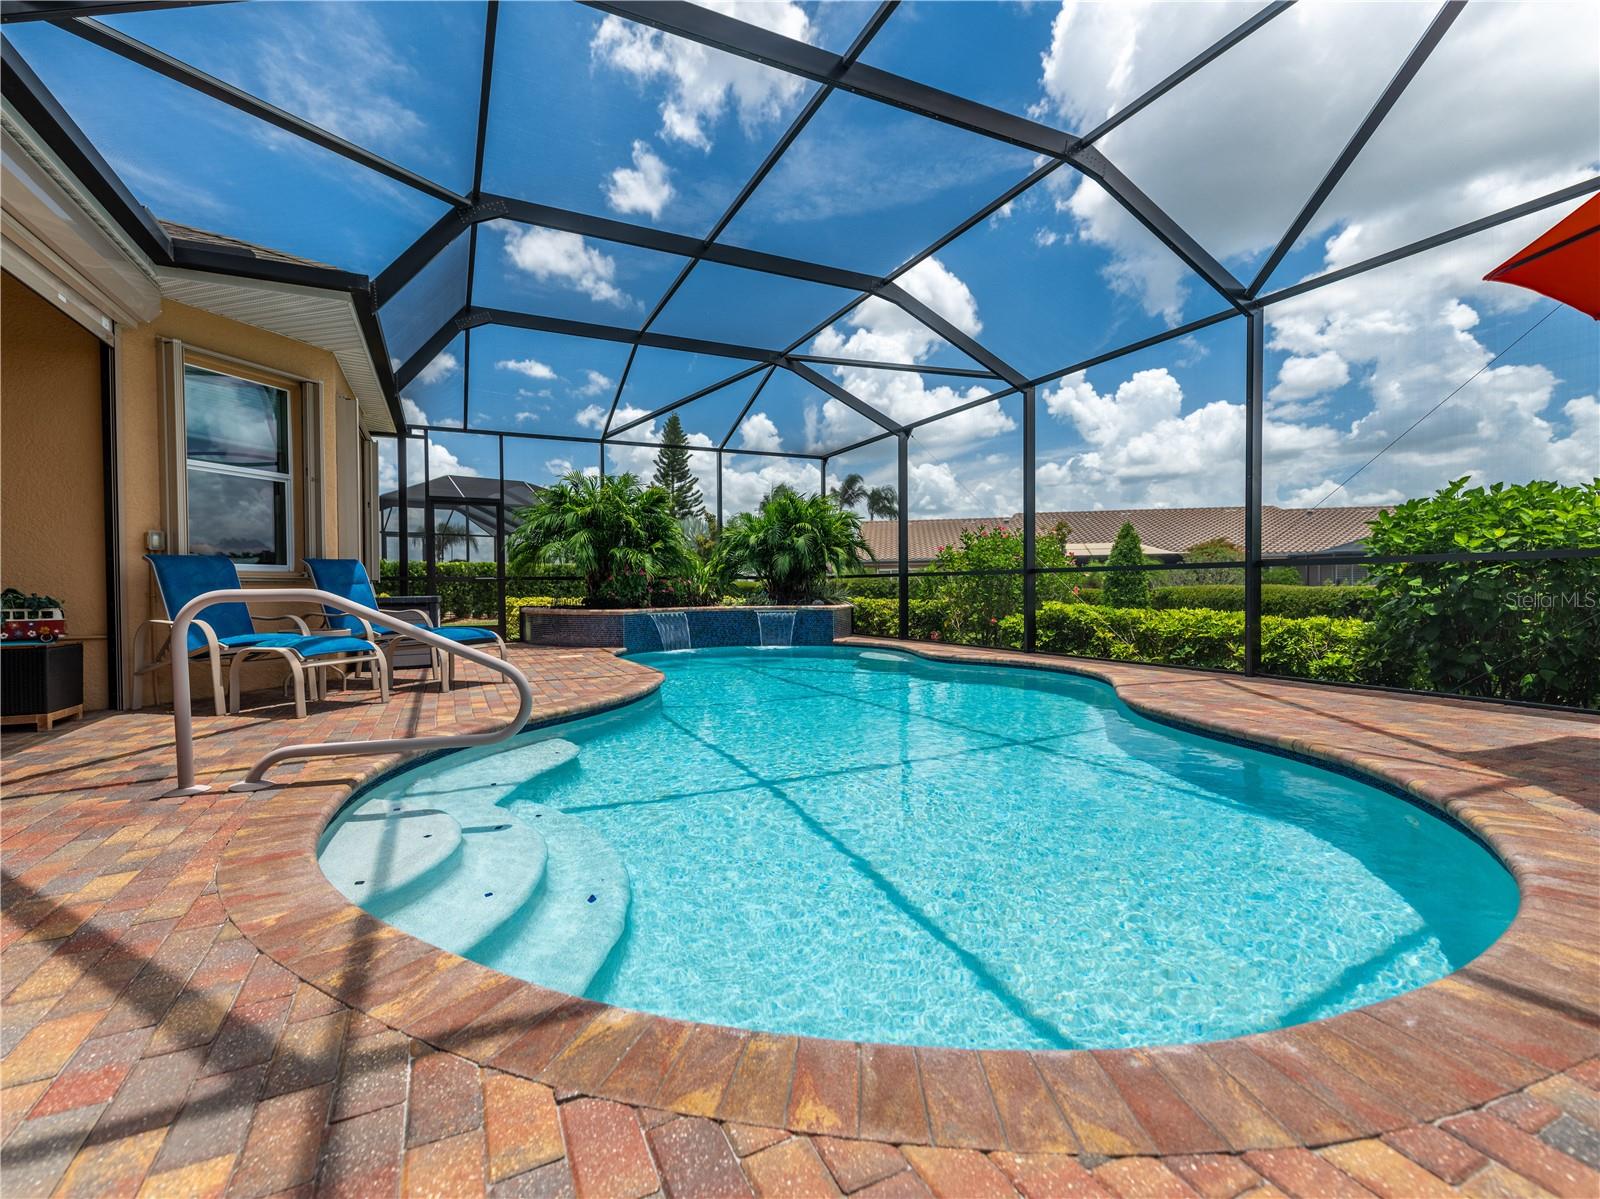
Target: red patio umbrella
1562 263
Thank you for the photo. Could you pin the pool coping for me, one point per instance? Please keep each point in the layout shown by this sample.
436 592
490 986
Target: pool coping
1521 1011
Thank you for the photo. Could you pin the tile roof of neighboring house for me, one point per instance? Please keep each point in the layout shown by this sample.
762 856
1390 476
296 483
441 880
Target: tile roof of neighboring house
206 237
928 537
1283 530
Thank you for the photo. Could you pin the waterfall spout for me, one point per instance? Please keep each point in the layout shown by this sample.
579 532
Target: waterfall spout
673 629
776 628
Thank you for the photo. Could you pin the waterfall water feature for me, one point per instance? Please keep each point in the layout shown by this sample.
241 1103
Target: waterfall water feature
673 629
775 628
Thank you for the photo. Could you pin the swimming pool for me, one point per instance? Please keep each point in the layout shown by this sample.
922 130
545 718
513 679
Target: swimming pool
867 845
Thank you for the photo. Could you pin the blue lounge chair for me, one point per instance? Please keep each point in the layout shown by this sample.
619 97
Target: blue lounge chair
228 630
347 577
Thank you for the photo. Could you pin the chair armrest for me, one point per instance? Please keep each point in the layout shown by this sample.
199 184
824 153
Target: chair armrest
422 617
298 622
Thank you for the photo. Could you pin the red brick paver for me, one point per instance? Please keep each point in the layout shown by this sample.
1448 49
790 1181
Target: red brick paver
190 1009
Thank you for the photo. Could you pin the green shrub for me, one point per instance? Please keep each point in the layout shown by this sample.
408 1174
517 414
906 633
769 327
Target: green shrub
930 619
619 536
515 605
1337 649
1521 629
876 587
1298 601
1318 647
467 590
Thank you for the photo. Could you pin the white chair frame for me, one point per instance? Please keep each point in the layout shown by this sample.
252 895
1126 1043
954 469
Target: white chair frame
443 663
215 652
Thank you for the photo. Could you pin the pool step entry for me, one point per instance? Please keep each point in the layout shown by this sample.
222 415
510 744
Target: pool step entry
578 916
492 773
385 850
538 894
496 867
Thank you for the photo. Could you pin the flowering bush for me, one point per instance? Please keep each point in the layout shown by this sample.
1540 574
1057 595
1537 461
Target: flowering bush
975 605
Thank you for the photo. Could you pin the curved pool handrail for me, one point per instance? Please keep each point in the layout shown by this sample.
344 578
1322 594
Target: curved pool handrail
183 721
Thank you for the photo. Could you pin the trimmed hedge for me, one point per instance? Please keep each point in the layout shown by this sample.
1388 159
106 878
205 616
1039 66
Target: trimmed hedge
463 591
1276 599
515 606
1314 647
881 618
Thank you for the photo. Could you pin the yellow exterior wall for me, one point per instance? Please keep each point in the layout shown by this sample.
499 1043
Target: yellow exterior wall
140 468
52 502
52 516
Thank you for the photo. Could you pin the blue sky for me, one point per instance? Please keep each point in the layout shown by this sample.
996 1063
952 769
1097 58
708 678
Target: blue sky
593 114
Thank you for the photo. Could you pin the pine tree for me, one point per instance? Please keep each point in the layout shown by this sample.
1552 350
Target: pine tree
673 474
1126 588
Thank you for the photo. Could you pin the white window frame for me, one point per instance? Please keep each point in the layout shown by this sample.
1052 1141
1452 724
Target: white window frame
300 395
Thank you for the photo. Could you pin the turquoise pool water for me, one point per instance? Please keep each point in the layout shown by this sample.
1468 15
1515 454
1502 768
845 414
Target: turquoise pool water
870 846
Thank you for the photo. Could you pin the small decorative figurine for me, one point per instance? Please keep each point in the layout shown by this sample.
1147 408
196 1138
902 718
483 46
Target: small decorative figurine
30 617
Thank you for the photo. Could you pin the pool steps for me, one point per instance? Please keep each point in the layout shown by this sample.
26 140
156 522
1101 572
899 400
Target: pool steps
580 912
380 855
538 894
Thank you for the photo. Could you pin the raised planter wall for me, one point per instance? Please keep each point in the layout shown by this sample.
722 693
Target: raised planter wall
633 629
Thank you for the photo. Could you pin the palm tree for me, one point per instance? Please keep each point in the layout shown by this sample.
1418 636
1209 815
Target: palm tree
849 491
793 543
617 534
883 503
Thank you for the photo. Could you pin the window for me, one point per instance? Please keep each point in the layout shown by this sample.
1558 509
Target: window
237 465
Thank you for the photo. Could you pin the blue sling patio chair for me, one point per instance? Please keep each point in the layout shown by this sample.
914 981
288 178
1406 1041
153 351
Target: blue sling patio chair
348 578
227 631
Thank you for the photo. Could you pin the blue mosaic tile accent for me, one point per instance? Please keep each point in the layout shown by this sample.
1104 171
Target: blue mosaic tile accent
722 627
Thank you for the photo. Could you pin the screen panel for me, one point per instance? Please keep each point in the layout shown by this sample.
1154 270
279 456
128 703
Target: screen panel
398 79
197 162
653 129
1233 152
525 381
1480 129
866 186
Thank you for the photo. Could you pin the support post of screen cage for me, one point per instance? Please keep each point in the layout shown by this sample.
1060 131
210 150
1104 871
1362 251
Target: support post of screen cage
903 439
1255 364
1030 535
404 585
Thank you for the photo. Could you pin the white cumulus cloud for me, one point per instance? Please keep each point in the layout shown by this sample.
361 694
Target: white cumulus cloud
759 433
881 332
531 367
701 83
441 368
555 256
643 187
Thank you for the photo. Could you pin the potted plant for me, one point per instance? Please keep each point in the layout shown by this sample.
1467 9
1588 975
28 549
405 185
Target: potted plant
31 617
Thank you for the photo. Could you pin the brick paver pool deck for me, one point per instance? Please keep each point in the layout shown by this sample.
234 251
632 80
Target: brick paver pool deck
191 1009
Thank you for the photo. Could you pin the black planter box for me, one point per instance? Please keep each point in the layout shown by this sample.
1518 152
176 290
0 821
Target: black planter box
40 684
